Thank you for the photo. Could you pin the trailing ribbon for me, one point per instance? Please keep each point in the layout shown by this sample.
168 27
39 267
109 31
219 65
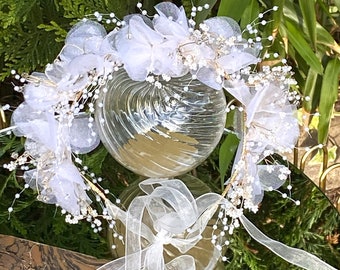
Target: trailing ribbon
294 256
168 215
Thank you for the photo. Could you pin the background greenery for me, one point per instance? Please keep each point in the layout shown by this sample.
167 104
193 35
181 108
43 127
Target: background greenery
306 33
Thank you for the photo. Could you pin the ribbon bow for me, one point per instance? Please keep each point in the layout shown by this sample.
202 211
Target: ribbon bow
168 216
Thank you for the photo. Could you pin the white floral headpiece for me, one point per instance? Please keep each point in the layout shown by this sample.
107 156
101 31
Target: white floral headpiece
57 121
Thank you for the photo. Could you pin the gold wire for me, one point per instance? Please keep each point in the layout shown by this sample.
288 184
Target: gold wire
323 177
309 152
296 156
3 122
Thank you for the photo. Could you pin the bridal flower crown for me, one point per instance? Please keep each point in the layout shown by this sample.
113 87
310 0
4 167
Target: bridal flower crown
57 120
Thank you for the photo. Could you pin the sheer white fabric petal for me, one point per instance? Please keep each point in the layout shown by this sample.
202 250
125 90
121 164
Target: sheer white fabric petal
39 126
175 28
36 149
86 34
223 26
107 48
168 9
68 187
59 184
134 44
270 116
172 66
269 176
239 90
235 61
69 52
209 77
81 65
55 72
40 96
82 140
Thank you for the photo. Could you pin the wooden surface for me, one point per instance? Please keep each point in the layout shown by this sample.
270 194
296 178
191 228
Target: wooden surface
21 254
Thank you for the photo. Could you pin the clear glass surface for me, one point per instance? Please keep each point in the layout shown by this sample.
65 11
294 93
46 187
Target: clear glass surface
160 132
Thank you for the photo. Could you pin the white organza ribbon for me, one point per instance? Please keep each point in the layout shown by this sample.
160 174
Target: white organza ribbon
294 256
169 215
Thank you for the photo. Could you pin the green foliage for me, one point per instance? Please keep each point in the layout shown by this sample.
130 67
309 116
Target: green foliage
9 144
250 13
316 23
233 8
328 96
200 16
309 16
226 154
22 45
302 47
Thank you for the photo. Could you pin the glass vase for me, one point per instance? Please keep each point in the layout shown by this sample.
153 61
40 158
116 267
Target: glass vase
159 131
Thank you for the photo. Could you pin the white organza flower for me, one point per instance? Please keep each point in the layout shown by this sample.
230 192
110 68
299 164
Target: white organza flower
235 61
86 36
172 21
59 184
232 53
173 25
270 127
64 80
144 50
88 51
270 118
167 45
137 44
36 120
263 178
41 95
39 126
216 51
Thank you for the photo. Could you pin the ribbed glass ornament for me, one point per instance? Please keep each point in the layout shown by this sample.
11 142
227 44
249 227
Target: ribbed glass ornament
159 132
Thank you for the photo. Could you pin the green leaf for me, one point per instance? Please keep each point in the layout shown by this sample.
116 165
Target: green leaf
226 154
232 8
148 5
95 160
277 15
337 3
301 45
314 123
309 89
250 14
4 181
202 15
309 17
325 38
329 95
318 158
53 26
